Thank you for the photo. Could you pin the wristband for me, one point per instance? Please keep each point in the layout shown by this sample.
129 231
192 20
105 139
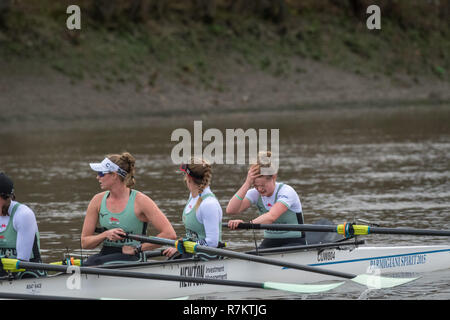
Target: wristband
236 195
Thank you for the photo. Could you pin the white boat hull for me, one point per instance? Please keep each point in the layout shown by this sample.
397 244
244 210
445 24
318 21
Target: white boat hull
360 260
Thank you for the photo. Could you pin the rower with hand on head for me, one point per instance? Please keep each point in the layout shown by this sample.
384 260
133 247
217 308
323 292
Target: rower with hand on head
18 230
202 215
119 209
277 203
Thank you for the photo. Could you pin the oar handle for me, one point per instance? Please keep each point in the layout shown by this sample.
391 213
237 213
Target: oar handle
154 240
244 225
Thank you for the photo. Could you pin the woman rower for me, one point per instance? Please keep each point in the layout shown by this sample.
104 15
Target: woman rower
120 210
202 215
18 230
277 203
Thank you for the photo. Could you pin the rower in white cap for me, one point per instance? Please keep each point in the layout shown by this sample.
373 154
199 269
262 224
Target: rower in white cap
119 209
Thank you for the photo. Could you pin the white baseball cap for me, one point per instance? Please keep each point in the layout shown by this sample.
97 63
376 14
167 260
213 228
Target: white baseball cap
107 166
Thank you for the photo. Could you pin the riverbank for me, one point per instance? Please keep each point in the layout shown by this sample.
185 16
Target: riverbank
54 101
122 73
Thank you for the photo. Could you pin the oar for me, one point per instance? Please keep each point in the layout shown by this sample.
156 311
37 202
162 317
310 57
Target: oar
14 265
347 229
28 296
192 247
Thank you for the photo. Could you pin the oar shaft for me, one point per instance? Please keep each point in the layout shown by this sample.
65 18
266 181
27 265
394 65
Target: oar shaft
244 256
27 296
138 275
286 227
407 231
341 229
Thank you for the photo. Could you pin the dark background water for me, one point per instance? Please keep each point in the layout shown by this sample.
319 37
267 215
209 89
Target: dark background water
386 165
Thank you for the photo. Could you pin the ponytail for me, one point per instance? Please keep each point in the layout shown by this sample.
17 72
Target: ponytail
202 169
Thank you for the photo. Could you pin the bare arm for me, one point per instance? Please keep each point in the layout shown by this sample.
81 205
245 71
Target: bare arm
270 217
152 214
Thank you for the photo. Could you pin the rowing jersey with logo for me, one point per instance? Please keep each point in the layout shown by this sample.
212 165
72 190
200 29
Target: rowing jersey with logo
19 235
125 220
287 196
203 225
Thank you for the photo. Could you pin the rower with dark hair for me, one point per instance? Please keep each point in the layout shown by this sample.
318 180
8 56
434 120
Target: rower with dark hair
19 235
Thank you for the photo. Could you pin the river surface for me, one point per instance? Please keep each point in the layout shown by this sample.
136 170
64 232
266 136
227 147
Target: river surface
388 165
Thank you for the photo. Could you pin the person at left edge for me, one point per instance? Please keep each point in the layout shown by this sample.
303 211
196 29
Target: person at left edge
120 210
19 234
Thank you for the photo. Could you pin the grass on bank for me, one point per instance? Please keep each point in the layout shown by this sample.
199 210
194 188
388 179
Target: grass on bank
192 51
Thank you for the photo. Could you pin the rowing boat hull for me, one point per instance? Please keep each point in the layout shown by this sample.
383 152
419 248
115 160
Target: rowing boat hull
373 260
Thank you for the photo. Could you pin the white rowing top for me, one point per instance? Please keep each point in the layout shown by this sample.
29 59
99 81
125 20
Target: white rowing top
24 222
209 213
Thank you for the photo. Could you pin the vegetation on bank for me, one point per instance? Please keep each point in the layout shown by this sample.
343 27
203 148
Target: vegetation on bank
194 40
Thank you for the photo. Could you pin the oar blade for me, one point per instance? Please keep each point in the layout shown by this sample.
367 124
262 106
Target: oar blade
380 282
301 288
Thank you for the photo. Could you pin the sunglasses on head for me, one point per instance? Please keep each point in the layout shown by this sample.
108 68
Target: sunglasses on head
185 168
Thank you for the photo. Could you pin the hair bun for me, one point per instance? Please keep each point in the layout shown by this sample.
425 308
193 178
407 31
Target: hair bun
126 162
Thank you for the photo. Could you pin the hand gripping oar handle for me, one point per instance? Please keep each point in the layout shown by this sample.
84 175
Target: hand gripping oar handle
192 247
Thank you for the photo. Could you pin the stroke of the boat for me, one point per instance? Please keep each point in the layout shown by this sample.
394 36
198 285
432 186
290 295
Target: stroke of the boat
338 257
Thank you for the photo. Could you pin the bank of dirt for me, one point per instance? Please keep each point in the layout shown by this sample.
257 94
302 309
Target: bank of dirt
122 72
52 100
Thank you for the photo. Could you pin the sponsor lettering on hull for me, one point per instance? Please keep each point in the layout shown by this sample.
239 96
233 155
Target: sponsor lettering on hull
398 261
202 271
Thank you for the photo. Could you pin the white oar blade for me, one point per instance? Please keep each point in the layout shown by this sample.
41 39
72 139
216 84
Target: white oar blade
380 282
180 298
301 288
